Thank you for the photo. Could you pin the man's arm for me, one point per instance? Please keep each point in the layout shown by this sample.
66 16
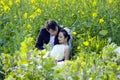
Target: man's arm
39 41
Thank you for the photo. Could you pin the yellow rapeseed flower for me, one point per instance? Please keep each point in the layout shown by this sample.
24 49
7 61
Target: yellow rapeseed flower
94 3
86 43
30 39
29 27
74 33
82 13
38 11
81 56
23 45
105 76
25 62
97 46
47 2
32 1
15 16
110 1
83 64
17 1
101 20
2 2
32 16
56 1
10 2
85 4
43 52
25 15
6 7
78 47
94 15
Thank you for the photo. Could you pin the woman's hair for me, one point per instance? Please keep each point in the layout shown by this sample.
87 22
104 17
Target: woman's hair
65 33
51 24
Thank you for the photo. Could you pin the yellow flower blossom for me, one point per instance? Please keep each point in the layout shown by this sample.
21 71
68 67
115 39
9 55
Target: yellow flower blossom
6 7
73 1
25 15
78 47
81 57
86 43
32 1
94 15
47 2
105 76
33 7
83 64
94 3
23 49
17 1
38 11
43 52
23 45
101 20
30 39
85 4
32 16
82 13
19 70
10 3
15 16
56 1
110 1
97 46
29 27
74 33
2 2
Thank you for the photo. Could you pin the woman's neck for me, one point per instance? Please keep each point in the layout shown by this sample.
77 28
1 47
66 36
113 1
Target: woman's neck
65 43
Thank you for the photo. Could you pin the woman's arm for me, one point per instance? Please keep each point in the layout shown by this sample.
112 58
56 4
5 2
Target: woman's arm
67 53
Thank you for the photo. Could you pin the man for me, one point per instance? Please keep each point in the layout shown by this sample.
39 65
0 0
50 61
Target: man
49 34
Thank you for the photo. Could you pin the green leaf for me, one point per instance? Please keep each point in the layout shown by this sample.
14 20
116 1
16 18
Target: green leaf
103 32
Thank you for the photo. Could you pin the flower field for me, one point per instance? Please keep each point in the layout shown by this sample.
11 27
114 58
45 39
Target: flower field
95 26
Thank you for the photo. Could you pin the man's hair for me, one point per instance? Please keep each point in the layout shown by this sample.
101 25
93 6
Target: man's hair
51 24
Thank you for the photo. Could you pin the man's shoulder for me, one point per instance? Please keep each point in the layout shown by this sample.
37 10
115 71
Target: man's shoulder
43 30
60 27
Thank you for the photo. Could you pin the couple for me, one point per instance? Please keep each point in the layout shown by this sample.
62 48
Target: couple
58 39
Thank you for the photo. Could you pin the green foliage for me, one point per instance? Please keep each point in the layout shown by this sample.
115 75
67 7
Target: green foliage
29 63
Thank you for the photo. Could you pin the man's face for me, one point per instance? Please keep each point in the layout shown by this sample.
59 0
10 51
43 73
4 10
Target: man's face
53 32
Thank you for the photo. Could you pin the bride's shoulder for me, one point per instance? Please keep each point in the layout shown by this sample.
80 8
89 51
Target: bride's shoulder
61 45
67 46
57 45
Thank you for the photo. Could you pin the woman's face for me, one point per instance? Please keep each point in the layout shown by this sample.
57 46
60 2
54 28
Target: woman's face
61 38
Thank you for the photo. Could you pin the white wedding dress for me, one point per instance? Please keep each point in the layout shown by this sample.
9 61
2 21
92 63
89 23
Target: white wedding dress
58 53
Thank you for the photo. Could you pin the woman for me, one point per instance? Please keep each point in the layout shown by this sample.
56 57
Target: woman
61 51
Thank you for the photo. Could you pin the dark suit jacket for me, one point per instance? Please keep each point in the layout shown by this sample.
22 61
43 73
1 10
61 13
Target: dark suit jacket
44 38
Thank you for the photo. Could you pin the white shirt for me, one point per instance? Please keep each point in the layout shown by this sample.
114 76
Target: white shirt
52 38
